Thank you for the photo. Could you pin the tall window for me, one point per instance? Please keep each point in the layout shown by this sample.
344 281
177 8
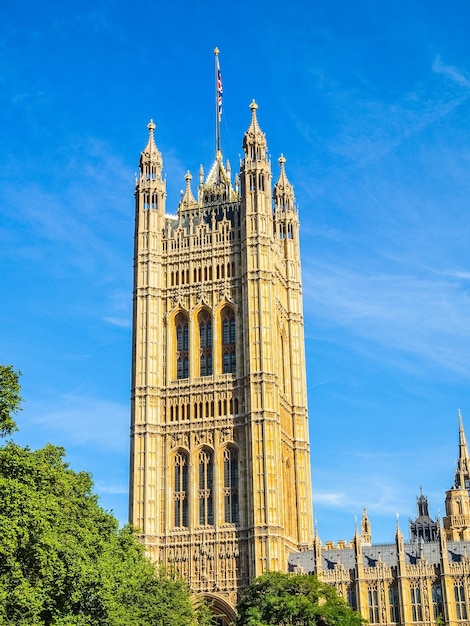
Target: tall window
373 605
393 599
182 346
231 486
180 489
351 597
283 364
437 604
205 343
416 608
460 607
206 473
229 361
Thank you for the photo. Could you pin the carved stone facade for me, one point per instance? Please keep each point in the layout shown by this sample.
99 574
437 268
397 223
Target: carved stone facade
220 470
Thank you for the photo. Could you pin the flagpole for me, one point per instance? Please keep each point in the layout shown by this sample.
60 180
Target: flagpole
217 104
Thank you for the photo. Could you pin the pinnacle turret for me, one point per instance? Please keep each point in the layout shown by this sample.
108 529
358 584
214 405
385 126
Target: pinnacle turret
254 140
151 163
365 529
150 152
150 190
462 474
283 192
187 198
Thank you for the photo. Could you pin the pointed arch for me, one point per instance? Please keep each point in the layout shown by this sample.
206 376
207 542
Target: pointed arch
204 320
221 609
182 344
231 503
206 487
228 335
180 489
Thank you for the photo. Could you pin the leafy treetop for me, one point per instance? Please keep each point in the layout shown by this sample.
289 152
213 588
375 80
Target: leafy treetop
294 599
10 399
65 562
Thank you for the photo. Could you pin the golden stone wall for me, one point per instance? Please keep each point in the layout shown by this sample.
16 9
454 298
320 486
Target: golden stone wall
220 473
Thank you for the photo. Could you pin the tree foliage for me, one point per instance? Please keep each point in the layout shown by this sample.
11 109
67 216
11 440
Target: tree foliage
10 399
63 559
293 599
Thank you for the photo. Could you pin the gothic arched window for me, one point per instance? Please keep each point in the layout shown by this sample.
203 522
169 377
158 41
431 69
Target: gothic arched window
416 606
206 480
231 486
460 604
182 346
229 352
205 343
180 489
437 600
373 599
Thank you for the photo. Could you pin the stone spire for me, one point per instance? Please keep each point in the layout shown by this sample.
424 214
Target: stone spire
150 190
457 519
400 543
188 200
365 529
151 163
462 474
254 140
283 192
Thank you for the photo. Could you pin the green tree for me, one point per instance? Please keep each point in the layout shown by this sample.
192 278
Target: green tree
65 562
10 399
293 599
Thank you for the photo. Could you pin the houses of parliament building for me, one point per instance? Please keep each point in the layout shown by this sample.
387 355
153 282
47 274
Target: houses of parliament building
423 581
220 470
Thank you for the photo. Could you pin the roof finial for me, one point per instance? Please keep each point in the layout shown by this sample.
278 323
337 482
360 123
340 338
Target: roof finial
253 107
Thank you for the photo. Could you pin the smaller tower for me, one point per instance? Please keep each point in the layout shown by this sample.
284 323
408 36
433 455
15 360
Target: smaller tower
423 528
462 475
457 519
365 529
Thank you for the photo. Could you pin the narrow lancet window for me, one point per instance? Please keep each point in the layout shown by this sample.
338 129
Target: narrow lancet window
182 346
180 491
229 353
231 486
460 603
205 343
206 474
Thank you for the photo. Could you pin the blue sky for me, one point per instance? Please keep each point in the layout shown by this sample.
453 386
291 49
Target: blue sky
370 103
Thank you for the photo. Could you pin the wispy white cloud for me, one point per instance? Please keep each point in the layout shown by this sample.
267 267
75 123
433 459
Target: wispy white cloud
455 274
451 72
417 315
79 420
329 498
123 322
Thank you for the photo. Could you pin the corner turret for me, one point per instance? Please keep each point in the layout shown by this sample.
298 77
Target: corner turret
457 519
255 178
254 140
462 474
150 190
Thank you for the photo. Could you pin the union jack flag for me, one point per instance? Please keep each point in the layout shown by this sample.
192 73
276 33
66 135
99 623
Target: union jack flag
219 90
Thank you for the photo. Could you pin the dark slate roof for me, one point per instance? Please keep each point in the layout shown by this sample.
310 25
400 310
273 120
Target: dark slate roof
386 553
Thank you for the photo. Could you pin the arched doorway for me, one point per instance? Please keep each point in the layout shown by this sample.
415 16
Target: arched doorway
224 612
